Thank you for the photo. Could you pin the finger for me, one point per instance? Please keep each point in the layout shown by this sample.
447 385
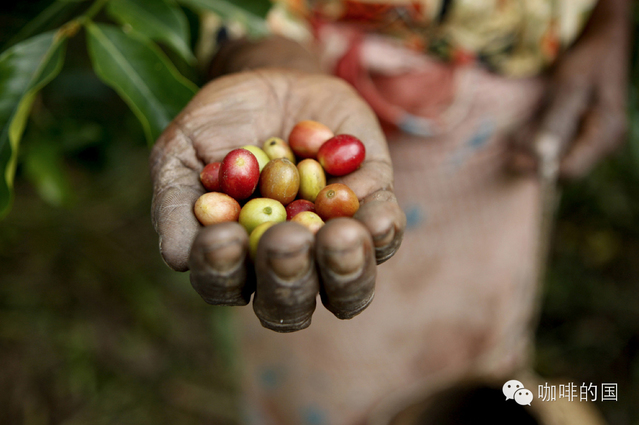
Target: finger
385 221
346 259
569 97
563 117
604 126
602 133
287 283
176 186
218 265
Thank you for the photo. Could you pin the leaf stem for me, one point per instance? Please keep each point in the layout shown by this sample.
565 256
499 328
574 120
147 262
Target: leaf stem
68 30
93 10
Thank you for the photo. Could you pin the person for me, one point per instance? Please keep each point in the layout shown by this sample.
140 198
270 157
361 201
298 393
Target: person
458 298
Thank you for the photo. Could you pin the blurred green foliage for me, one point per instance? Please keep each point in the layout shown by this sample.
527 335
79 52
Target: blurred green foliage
94 329
125 57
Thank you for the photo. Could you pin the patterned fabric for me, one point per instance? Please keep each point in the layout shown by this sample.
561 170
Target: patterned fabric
512 37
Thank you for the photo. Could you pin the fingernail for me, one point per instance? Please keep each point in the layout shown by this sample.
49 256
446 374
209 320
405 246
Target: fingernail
289 264
345 261
383 239
224 256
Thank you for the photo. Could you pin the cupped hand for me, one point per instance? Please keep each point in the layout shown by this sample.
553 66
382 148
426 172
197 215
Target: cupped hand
583 118
292 265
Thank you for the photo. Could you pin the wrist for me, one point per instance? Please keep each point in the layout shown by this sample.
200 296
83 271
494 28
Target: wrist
272 52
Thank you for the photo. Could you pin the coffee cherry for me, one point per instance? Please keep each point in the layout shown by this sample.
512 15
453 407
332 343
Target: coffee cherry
306 138
256 235
260 210
260 155
239 174
310 220
280 180
277 148
210 177
341 154
312 179
336 200
214 207
297 207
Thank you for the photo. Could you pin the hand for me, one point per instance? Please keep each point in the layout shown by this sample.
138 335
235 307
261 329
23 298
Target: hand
291 265
584 114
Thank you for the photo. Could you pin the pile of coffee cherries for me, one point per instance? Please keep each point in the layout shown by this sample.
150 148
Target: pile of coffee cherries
273 188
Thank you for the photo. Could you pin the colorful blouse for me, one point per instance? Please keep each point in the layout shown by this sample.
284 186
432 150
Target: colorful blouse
511 37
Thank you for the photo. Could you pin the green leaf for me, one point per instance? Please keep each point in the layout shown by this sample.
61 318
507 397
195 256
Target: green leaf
254 23
53 16
156 20
141 74
44 167
24 69
256 7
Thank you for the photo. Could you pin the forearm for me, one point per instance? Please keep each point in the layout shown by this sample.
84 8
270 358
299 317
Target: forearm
615 9
273 52
610 16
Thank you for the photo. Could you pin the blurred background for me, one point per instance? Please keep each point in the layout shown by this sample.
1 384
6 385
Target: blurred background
95 329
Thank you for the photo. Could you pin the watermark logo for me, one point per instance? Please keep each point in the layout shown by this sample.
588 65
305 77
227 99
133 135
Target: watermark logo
586 392
523 397
514 390
572 392
609 392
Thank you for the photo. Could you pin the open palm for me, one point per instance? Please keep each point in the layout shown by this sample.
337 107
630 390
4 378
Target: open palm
292 265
